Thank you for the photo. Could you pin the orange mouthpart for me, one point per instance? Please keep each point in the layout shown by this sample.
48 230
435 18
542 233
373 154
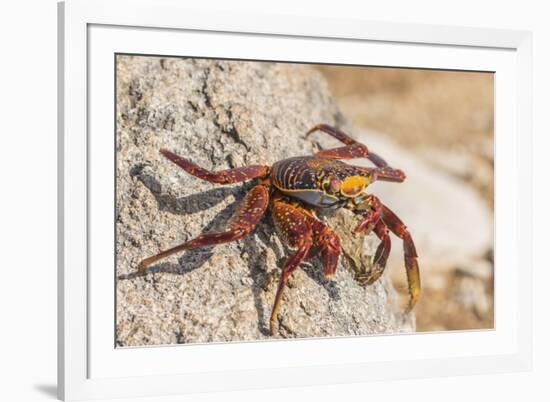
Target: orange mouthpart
353 185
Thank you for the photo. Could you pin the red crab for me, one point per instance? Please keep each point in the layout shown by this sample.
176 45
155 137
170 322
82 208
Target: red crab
296 188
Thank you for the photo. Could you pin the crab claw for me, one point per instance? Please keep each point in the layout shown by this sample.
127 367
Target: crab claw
364 227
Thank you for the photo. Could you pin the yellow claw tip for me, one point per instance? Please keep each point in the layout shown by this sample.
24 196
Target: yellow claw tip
410 306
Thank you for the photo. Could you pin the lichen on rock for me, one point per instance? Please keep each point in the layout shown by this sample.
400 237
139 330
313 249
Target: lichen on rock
222 114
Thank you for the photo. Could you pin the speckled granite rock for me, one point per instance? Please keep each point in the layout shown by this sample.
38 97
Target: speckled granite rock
222 114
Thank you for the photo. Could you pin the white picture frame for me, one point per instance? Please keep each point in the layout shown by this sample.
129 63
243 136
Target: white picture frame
90 367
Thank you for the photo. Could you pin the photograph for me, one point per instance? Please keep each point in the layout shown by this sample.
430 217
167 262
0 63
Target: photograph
271 202
259 200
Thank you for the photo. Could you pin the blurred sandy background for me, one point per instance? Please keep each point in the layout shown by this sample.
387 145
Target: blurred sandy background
445 119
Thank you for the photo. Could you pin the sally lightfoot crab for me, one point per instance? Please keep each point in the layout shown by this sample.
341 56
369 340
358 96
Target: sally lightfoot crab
297 187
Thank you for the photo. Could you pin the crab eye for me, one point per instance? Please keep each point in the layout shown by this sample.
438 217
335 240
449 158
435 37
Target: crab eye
334 185
331 186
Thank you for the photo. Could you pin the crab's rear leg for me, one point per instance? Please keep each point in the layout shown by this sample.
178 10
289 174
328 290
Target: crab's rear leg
411 258
303 231
354 149
228 176
243 221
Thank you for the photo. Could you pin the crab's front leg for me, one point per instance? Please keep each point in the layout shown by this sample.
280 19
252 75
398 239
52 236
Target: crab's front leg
297 232
370 210
411 258
289 267
309 236
383 220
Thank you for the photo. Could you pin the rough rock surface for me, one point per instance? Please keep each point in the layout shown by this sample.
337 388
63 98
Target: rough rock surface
221 114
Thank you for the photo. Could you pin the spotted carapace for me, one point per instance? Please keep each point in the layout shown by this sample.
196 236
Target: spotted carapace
296 188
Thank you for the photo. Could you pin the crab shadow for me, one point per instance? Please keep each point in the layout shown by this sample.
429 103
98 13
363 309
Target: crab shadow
195 258
314 269
186 205
257 268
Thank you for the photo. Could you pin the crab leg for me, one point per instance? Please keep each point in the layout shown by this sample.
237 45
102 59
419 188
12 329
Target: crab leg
329 243
289 267
353 149
411 263
384 174
334 132
228 176
383 251
243 221
370 214
303 231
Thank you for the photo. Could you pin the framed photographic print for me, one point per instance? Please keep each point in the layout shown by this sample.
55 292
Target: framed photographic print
258 201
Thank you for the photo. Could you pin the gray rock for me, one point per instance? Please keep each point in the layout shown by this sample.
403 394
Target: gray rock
221 115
